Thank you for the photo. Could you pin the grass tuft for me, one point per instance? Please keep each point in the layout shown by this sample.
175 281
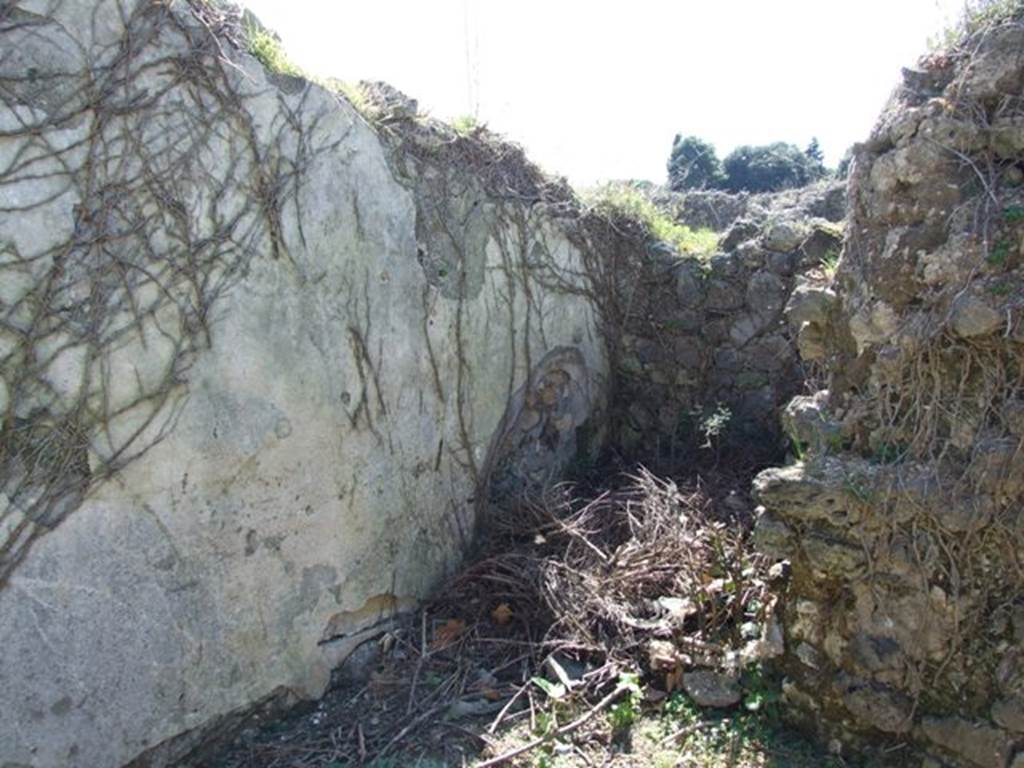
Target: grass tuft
267 48
830 263
623 200
466 125
977 16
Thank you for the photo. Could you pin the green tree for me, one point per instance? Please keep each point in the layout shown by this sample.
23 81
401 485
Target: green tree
693 164
815 161
769 168
814 152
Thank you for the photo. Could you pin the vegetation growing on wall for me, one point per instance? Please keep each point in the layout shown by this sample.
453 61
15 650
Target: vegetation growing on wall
976 16
627 202
266 47
109 318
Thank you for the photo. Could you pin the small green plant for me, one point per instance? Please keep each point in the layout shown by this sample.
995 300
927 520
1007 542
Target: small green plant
760 695
626 712
544 723
1000 289
267 48
798 448
354 94
554 691
627 201
830 263
680 708
859 487
466 125
999 254
1013 214
714 424
888 453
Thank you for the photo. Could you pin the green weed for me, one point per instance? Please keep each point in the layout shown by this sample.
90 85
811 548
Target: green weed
268 50
681 709
554 691
999 254
859 487
626 201
761 694
626 712
1013 214
1000 289
714 424
352 93
466 125
887 453
830 263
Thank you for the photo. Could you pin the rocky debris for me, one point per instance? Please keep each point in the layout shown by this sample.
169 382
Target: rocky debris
807 422
977 743
711 209
973 317
811 314
711 689
1009 713
811 303
995 70
720 211
884 708
784 235
387 102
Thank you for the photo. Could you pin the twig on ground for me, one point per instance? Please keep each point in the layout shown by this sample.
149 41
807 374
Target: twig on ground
565 730
504 710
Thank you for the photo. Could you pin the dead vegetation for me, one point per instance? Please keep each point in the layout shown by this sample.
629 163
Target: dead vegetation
570 605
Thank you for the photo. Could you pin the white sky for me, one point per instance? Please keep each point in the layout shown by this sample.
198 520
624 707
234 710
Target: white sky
597 90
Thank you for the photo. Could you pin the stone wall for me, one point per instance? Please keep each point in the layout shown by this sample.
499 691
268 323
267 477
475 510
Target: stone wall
718 210
704 334
254 361
904 618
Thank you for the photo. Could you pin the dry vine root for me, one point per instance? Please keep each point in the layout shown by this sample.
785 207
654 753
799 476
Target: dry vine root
153 216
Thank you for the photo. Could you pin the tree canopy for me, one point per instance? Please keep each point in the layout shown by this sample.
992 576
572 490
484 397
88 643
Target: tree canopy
693 164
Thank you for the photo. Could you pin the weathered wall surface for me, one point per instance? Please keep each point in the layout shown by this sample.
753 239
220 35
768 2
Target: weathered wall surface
250 376
698 335
904 617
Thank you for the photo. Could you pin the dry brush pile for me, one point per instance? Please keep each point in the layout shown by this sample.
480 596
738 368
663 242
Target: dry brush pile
568 598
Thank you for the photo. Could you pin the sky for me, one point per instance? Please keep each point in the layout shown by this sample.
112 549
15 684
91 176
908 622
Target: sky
597 90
